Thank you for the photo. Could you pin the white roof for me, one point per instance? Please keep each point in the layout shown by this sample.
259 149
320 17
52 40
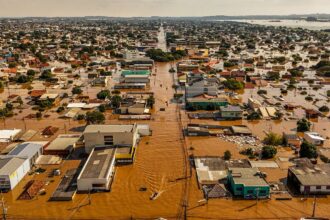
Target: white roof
50 96
314 136
8 135
76 105
8 165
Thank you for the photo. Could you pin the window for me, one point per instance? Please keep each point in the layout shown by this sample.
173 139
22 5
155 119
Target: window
108 140
98 185
262 192
318 187
250 191
328 187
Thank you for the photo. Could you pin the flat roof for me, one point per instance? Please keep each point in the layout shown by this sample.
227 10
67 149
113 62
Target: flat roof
98 163
108 128
63 142
8 134
247 177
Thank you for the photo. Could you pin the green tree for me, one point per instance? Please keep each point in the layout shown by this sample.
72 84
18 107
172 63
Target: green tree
227 155
95 117
308 150
233 84
31 73
151 101
273 139
268 152
324 108
46 74
103 94
303 125
76 90
115 101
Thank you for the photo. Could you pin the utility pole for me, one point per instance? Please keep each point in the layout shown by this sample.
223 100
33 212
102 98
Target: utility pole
4 209
314 207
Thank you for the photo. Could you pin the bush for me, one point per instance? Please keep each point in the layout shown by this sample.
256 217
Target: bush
233 84
268 152
324 108
103 94
308 150
95 117
262 92
80 117
76 90
303 125
273 139
60 109
227 155
309 98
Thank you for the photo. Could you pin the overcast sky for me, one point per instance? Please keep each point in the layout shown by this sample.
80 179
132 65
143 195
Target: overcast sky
131 8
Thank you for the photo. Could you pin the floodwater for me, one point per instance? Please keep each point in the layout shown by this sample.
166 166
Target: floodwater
291 24
161 166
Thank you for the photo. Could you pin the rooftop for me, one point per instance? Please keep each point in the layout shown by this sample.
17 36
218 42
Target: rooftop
10 164
63 142
247 177
27 149
109 128
98 163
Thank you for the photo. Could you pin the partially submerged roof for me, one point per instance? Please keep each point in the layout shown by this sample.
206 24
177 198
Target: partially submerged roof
7 135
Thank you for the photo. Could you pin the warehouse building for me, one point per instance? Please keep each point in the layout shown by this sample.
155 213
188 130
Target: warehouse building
18 162
98 170
111 136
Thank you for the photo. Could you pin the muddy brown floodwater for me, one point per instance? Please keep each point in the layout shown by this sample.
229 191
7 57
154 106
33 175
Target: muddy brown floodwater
161 166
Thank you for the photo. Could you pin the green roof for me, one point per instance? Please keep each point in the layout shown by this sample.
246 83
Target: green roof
135 72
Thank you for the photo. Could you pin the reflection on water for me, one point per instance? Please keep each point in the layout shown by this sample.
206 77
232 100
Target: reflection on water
291 24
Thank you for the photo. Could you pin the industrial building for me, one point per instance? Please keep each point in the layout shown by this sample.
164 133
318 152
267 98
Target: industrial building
110 135
18 162
98 170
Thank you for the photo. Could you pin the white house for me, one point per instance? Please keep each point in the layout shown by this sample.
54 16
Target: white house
314 138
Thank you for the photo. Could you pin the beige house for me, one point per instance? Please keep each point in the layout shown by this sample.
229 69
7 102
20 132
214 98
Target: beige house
110 135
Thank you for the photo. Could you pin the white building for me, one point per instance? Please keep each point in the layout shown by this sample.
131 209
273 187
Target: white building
314 138
9 135
98 170
200 88
110 135
18 162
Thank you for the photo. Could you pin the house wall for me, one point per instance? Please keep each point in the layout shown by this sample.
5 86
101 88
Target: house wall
97 139
315 189
231 114
18 174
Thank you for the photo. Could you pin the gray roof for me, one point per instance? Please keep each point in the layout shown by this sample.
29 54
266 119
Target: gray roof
63 142
247 177
27 149
108 128
10 164
98 163
231 108
311 175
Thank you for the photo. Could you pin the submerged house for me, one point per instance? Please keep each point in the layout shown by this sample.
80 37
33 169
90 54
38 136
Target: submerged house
248 183
231 112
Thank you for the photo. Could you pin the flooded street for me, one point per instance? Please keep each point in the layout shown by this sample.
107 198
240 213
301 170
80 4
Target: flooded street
162 166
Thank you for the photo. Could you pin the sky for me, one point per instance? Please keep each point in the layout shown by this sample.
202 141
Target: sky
132 8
